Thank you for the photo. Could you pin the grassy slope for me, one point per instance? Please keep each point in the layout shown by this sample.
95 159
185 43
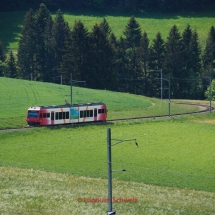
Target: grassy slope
18 95
11 23
22 192
176 152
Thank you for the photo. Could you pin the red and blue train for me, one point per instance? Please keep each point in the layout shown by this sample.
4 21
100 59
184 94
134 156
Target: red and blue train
66 114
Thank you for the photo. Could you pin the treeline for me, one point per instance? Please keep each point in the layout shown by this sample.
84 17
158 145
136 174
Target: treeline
49 48
117 5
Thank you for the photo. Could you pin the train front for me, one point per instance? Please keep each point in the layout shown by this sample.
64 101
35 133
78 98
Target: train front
33 116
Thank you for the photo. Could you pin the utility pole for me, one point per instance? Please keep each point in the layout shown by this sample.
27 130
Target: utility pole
71 88
110 209
161 88
210 92
161 84
169 101
109 162
169 96
72 81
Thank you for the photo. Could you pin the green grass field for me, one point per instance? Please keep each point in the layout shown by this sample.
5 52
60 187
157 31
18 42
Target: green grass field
171 172
175 153
18 95
11 23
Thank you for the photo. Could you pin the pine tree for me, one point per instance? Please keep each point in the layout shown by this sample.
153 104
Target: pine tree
132 33
157 50
105 27
209 53
2 54
2 60
174 60
60 33
26 49
121 66
194 87
192 62
102 74
12 69
143 53
76 55
186 38
43 24
195 53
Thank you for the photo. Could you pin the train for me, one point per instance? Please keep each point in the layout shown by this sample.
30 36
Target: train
66 114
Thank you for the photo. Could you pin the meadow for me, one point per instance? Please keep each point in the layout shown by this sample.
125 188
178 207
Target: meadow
52 170
170 172
11 23
174 152
27 191
18 95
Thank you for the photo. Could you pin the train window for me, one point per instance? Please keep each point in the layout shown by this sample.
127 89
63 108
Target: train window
101 111
41 115
86 113
33 114
64 115
81 114
48 115
56 115
67 115
44 115
60 115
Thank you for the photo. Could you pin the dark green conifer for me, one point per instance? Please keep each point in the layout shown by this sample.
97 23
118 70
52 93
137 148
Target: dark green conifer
3 67
143 53
157 49
2 54
43 25
132 33
76 56
102 75
12 68
209 52
60 33
27 46
174 60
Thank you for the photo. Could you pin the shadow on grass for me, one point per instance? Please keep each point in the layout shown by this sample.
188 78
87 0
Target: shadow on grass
10 27
203 13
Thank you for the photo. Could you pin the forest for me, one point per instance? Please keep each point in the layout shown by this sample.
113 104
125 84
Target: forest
49 49
167 6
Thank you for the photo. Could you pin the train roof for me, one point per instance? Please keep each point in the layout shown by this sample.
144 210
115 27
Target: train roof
67 105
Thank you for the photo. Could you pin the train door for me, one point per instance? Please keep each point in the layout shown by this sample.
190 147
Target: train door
95 114
52 117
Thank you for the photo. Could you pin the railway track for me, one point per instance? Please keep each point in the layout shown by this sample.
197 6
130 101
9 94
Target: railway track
203 109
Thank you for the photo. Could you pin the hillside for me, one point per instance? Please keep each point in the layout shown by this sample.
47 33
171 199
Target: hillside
18 95
11 23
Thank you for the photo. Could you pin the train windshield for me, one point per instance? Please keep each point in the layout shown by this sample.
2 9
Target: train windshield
33 114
